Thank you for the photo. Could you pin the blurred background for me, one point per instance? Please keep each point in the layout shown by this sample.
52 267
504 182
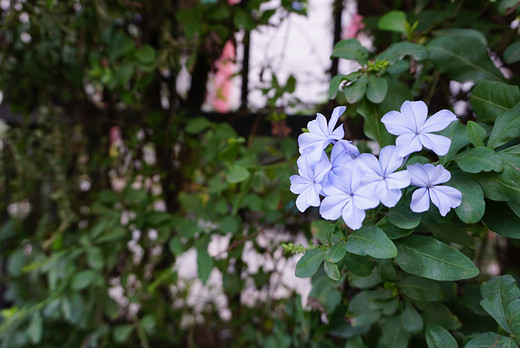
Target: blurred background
145 155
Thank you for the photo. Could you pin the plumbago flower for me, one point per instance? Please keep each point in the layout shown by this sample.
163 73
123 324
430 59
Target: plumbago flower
428 178
381 175
308 184
348 197
321 134
415 131
342 152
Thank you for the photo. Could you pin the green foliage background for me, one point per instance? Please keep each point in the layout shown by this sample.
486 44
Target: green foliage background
404 279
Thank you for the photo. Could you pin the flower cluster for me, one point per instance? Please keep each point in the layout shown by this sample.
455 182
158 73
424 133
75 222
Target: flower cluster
351 183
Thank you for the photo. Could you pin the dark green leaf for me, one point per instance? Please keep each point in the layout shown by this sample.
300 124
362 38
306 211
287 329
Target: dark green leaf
393 21
397 51
204 261
336 252
512 53
351 49
371 240
95 258
513 318
336 81
411 319
237 174
473 205
356 90
373 127
402 217
463 58
83 279
310 262
476 133
439 337
146 54
503 186
35 329
437 313
491 98
462 32
502 220
122 332
479 159
497 293
507 127
331 270
491 340
355 342
430 258
420 289
197 125
456 132
376 89
392 231
394 335
398 92
359 265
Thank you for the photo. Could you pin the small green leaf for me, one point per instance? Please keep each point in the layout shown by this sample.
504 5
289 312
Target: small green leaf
356 90
83 279
95 258
456 132
503 186
439 337
397 51
512 53
361 266
175 246
336 252
402 217
332 271
122 332
355 342
310 262
197 125
491 340
336 81
473 206
377 88
497 293
350 49
373 127
393 334
35 329
491 98
476 133
393 21
420 289
146 54
506 128
237 174
430 258
479 159
205 262
411 319
371 240
502 220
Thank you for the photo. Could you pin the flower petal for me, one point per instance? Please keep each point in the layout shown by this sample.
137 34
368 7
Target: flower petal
439 121
309 197
365 197
420 200
389 159
387 196
418 174
437 143
299 184
332 206
445 198
352 216
416 113
338 111
321 168
396 123
310 140
369 165
398 180
407 143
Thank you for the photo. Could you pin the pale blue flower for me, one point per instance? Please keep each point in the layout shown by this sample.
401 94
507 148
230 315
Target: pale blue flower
428 178
342 152
308 184
345 196
321 134
381 174
415 131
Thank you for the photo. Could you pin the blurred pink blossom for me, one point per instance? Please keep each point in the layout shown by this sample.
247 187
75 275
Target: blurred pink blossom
354 27
219 95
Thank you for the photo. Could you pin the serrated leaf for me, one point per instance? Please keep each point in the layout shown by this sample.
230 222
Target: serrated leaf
371 240
491 98
430 258
376 89
310 262
506 128
479 159
497 293
476 133
439 337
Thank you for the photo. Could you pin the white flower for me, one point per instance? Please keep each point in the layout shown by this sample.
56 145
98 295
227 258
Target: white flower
415 131
381 174
308 183
321 134
428 177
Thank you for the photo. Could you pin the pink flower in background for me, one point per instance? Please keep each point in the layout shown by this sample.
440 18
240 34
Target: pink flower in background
354 27
219 94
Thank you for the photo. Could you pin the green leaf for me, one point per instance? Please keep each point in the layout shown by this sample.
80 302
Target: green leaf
175 246
310 262
350 49
331 270
439 337
491 98
358 311
359 265
463 58
505 5
420 289
430 258
497 293
402 217
476 133
393 334
392 231
371 240
204 261
336 81
462 32
122 332
146 54
502 220
35 329
95 258
479 159
355 342
336 252
83 279
491 340
513 318
398 92
473 206
411 319
507 127
237 174
503 186
393 21
397 51
456 132
373 127
438 313
356 90
377 88
512 53
197 125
